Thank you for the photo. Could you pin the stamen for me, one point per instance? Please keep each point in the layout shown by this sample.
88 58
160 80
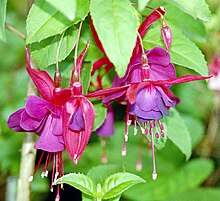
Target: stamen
38 164
53 171
161 125
56 176
30 179
58 193
75 158
154 174
146 131
128 122
47 163
157 135
142 130
135 127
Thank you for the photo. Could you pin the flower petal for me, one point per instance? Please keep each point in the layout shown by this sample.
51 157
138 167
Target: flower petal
147 98
29 123
14 120
41 79
76 142
152 114
37 107
47 140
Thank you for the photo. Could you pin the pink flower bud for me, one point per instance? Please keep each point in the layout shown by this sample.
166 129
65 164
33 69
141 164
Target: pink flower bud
167 36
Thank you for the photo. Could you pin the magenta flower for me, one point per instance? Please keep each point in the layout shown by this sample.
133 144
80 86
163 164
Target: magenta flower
44 116
79 115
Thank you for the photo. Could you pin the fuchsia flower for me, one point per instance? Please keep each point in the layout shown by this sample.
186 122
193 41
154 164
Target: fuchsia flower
145 86
43 116
79 115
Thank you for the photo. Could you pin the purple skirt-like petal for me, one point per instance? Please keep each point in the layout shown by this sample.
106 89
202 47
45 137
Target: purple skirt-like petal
37 107
151 104
47 140
14 120
77 122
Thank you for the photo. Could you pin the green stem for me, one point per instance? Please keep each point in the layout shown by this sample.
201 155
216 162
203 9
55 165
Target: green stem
15 31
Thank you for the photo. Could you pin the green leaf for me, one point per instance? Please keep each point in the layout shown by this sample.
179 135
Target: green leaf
142 4
93 52
3 4
183 52
82 10
191 28
87 197
44 53
196 128
44 21
117 183
86 76
116 24
100 173
100 114
79 181
196 8
115 198
201 194
188 177
66 7
178 133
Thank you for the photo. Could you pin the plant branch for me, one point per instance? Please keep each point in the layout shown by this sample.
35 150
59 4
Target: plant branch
15 31
28 155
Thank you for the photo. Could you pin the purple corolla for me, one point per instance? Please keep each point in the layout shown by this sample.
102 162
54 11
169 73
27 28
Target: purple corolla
151 104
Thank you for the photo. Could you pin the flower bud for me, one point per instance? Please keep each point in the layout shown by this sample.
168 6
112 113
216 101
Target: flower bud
167 36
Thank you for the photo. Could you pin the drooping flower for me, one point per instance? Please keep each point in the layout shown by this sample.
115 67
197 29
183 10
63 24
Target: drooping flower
145 87
43 116
79 115
147 100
